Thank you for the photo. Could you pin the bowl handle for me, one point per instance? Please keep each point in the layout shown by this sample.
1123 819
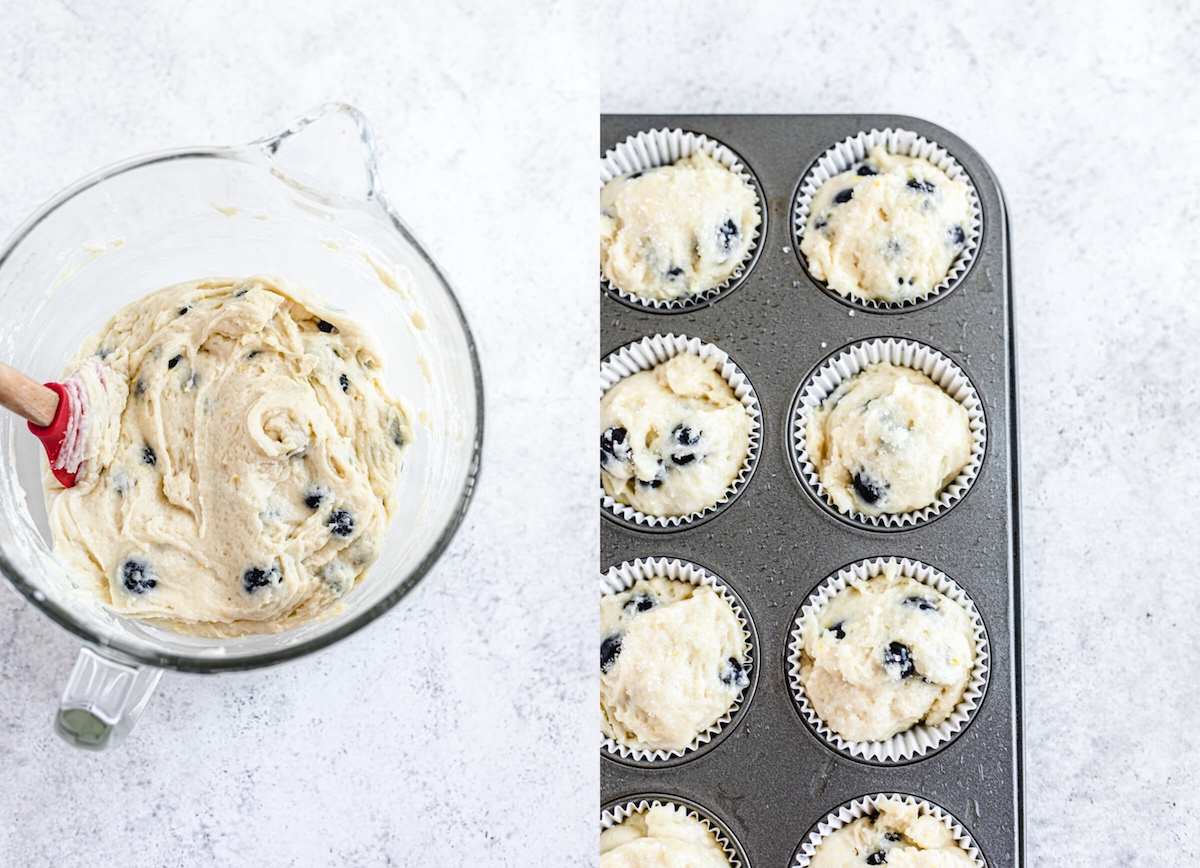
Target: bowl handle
102 701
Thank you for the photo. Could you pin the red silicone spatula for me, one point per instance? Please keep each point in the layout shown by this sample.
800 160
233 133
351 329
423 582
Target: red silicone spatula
48 409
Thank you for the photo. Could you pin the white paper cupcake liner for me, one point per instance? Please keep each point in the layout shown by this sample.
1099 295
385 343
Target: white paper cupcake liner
622 578
645 354
843 155
865 805
649 150
847 362
620 811
921 739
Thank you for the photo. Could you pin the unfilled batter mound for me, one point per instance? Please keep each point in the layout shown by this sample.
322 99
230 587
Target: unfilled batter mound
888 229
661 837
243 478
672 663
886 653
898 835
888 440
672 439
675 231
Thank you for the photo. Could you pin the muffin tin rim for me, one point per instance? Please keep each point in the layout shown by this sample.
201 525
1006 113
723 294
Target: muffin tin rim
948 285
671 524
705 815
792 439
1002 822
710 297
742 704
793 629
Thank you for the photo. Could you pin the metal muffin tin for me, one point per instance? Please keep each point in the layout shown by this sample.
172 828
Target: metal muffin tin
771 779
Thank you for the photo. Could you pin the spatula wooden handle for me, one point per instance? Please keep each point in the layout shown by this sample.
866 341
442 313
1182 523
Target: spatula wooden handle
27 398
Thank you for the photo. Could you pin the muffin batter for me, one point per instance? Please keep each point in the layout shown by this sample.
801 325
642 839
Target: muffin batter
672 439
888 440
244 480
672 662
898 835
889 228
662 837
676 231
885 654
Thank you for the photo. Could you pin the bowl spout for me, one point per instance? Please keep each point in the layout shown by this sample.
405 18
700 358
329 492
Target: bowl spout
327 154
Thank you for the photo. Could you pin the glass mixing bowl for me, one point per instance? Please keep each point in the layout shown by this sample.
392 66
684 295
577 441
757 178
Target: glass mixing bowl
307 204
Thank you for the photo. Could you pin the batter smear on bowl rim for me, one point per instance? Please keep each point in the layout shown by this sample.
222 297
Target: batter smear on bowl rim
242 458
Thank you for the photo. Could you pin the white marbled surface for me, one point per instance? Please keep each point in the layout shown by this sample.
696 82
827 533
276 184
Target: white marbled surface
1089 116
425 738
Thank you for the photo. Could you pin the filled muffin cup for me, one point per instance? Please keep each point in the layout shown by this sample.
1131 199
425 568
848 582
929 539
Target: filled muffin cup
618 811
920 740
663 147
866 805
907 143
644 355
850 361
625 576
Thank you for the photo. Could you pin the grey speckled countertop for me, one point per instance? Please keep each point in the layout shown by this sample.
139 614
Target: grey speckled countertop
424 739
459 729
1089 118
